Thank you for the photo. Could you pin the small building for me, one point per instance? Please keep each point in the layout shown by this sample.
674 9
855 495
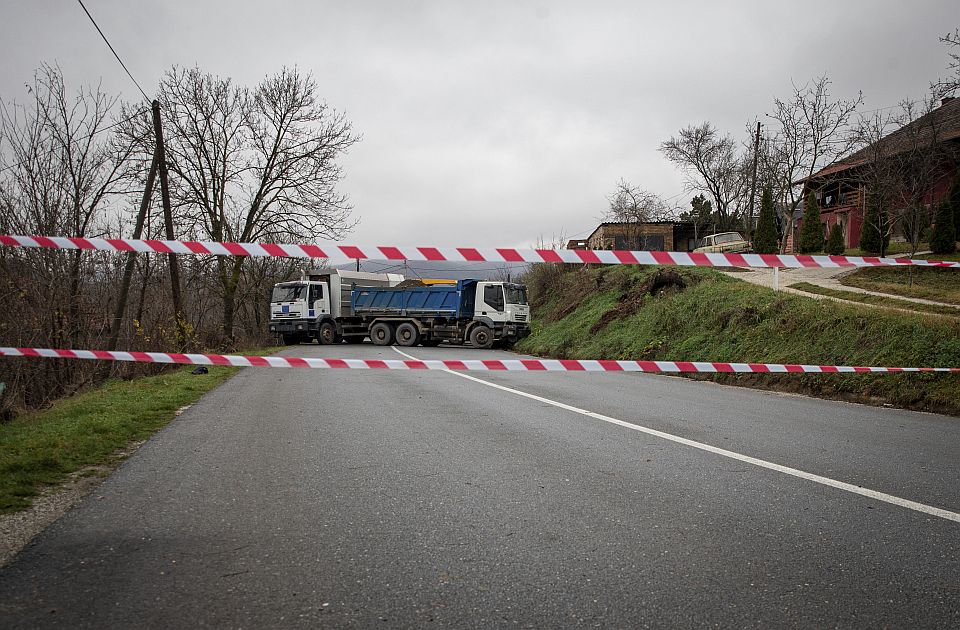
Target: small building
577 243
655 236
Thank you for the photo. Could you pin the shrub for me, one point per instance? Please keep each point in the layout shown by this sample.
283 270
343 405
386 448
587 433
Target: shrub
875 237
811 232
765 239
835 242
944 237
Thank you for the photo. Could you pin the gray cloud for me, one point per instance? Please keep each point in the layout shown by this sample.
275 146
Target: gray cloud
499 123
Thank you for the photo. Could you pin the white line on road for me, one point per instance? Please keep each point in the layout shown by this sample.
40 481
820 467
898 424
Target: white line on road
826 481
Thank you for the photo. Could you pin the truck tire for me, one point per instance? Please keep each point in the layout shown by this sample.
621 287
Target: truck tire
481 337
327 334
381 334
407 334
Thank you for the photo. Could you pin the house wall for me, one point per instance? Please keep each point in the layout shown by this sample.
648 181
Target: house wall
852 220
853 215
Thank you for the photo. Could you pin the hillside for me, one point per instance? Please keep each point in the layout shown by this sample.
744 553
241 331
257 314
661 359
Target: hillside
702 315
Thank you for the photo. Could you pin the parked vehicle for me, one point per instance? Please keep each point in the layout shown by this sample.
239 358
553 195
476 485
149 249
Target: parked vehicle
724 243
331 305
481 312
298 309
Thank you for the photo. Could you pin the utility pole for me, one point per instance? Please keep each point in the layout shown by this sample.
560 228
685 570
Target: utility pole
168 222
753 183
132 256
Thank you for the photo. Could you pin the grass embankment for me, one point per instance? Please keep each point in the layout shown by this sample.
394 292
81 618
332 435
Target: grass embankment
878 300
928 283
89 429
609 313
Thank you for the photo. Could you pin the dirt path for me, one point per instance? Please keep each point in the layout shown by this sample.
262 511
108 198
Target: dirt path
828 278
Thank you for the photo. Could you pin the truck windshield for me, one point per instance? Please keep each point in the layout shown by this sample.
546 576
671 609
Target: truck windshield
515 294
288 292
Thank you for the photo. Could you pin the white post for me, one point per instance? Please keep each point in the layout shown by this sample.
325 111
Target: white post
776 278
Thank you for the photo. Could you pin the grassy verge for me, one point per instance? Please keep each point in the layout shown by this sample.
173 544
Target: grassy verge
611 314
929 283
878 300
88 429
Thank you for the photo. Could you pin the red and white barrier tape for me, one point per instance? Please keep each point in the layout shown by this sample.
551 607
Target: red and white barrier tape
460 254
481 365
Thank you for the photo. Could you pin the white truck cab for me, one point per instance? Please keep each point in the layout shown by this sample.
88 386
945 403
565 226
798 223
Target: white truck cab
502 302
299 307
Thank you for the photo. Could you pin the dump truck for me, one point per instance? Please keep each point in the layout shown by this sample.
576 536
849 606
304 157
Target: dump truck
479 311
334 306
300 308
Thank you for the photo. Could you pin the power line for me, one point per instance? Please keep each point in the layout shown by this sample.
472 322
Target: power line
113 51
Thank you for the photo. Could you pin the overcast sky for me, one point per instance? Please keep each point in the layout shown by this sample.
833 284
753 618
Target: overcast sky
500 123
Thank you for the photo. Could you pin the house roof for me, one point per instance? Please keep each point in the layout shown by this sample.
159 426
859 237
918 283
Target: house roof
941 125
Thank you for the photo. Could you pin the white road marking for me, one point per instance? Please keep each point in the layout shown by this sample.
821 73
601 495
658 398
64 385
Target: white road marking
826 481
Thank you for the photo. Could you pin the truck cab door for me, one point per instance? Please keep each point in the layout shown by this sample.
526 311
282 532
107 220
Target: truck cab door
490 301
321 303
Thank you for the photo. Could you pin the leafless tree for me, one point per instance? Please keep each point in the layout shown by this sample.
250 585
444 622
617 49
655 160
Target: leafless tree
713 165
62 172
950 84
812 130
904 156
633 206
253 164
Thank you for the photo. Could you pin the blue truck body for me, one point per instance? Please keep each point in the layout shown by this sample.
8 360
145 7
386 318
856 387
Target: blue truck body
431 314
446 301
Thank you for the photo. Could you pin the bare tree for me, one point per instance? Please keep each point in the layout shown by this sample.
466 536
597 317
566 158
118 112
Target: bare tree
64 171
633 206
712 165
253 164
61 171
949 85
811 131
904 157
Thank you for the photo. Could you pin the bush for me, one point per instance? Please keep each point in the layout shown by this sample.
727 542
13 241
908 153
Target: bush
765 239
811 232
944 237
835 242
875 237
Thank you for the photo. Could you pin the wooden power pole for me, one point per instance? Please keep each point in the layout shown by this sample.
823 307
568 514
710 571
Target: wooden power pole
168 222
132 256
753 183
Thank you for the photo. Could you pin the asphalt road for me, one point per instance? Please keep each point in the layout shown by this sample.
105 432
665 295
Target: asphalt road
347 498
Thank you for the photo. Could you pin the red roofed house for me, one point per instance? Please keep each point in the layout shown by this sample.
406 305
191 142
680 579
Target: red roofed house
842 188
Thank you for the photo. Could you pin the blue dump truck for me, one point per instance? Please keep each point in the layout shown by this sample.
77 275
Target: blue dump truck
333 306
481 312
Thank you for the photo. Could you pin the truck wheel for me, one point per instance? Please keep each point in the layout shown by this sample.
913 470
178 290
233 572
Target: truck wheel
291 339
407 334
327 335
481 337
381 334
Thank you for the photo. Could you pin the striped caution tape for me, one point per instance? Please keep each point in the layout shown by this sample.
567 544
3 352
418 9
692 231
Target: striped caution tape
335 252
481 365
